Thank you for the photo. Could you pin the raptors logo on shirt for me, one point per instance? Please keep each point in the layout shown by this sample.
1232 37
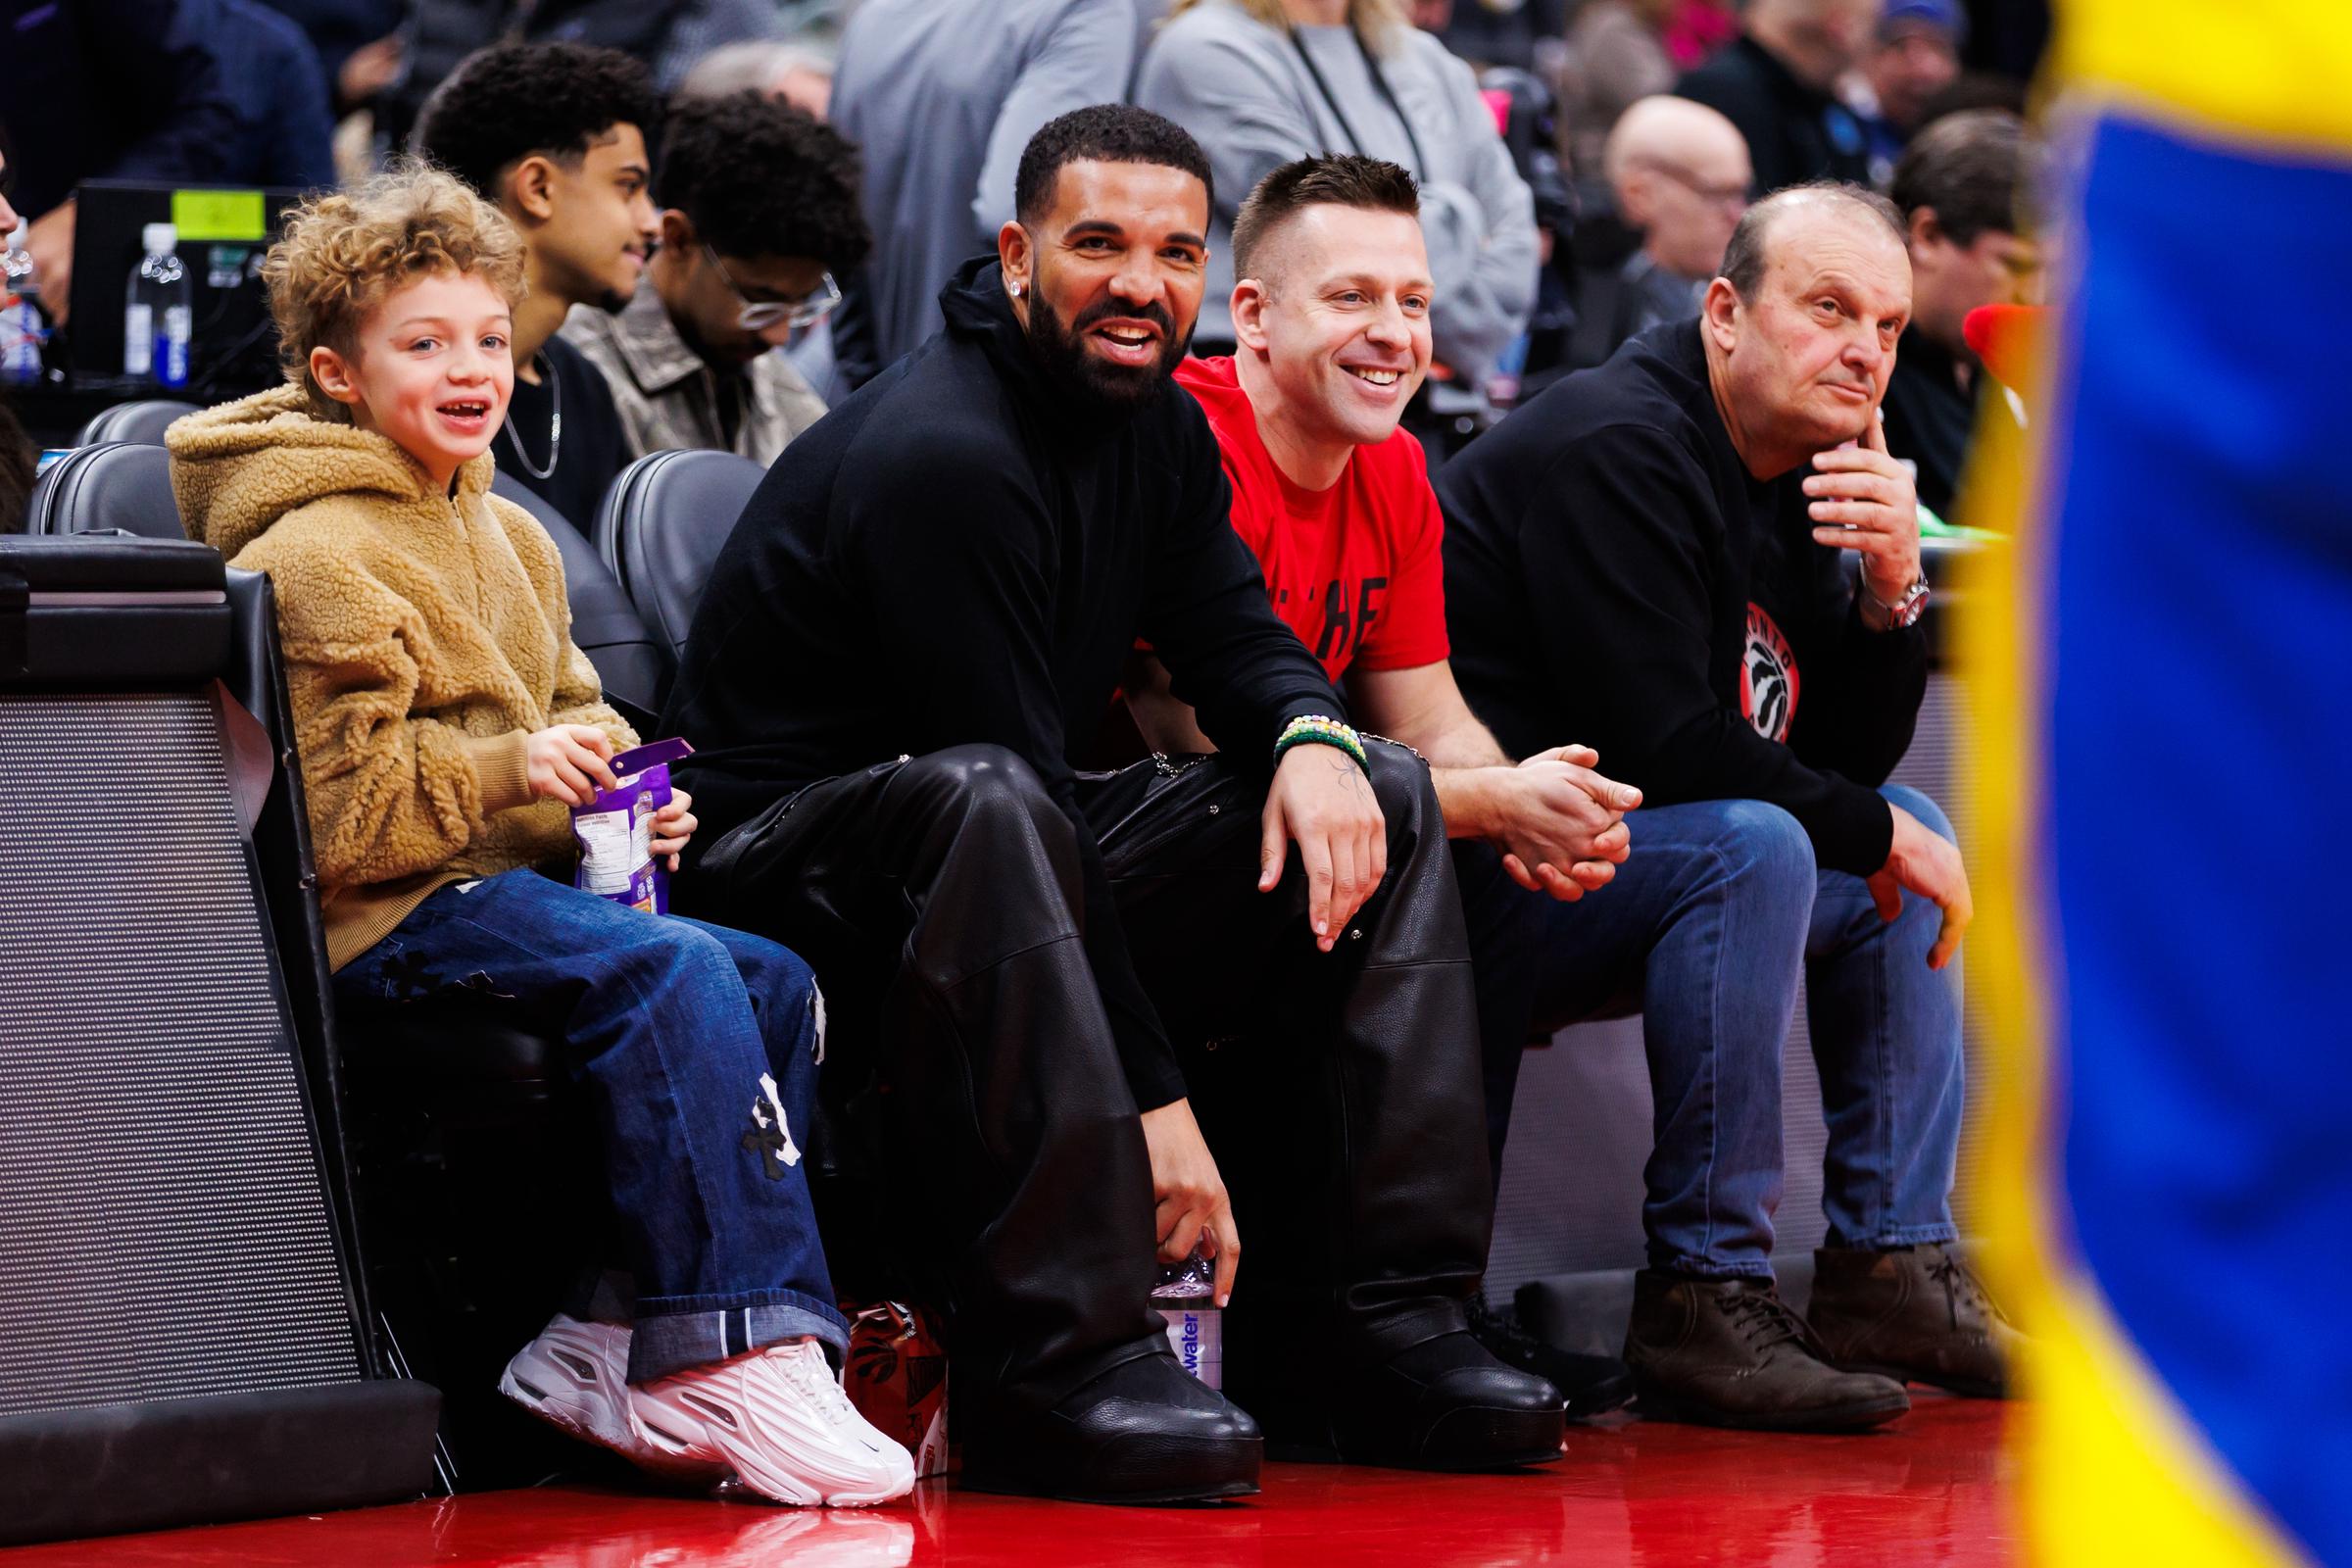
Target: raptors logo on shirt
1768 679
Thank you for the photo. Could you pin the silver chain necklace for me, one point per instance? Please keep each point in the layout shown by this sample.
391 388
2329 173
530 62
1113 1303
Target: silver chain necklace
555 424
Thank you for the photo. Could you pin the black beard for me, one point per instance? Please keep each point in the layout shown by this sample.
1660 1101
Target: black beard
613 303
1061 353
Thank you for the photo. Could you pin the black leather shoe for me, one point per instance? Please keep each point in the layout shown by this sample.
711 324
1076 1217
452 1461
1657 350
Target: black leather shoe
1729 1352
1145 1431
1442 1404
1591 1385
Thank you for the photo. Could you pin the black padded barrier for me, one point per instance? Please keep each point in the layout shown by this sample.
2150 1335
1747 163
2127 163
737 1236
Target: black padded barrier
183 1330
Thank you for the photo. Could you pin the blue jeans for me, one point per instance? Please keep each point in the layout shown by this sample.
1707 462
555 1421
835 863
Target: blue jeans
1705 932
697 1047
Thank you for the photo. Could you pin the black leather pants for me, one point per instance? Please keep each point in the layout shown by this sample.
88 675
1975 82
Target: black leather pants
1340 1093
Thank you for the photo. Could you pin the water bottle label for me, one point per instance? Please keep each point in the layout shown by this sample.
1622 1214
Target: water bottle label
172 346
1197 1335
138 339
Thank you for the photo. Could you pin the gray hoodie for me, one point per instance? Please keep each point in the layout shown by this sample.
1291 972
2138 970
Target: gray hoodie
940 99
1241 90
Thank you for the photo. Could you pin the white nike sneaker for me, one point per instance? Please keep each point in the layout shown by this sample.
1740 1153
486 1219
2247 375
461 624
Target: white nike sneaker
575 1377
778 1418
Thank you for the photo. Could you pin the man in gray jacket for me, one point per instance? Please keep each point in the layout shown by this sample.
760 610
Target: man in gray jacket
1261 82
941 100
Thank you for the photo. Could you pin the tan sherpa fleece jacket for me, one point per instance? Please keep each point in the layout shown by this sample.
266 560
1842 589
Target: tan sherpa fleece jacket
424 636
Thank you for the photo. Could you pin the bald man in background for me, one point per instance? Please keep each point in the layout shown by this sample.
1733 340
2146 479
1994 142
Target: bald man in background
1679 174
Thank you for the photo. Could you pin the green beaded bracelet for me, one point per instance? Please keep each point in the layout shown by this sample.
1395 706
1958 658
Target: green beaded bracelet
1321 729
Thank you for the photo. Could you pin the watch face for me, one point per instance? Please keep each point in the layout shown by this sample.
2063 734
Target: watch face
1913 606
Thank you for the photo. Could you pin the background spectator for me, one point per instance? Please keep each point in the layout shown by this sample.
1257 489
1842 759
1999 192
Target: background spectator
1679 172
1616 55
102 89
1261 82
1778 83
666 36
1917 56
940 101
800 76
286 126
1696 28
1523 34
1969 189
760 212
357 43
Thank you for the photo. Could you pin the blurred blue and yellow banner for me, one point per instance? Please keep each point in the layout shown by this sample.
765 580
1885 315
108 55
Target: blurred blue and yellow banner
2169 795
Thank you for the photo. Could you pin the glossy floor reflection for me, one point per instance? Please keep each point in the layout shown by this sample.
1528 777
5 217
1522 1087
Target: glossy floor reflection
1930 1493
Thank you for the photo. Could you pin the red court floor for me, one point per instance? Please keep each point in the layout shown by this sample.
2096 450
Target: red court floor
1934 1490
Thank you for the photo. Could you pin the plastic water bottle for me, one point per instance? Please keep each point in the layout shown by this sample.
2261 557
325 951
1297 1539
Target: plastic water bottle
20 329
157 318
1185 1296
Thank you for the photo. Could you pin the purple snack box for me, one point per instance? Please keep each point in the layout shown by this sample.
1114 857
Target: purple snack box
614 831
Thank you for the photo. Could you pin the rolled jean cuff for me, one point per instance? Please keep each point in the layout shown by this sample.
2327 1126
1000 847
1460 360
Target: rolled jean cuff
675 1333
1708 1268
1905 1236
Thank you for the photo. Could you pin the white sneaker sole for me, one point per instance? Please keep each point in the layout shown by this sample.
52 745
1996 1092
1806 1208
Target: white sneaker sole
767 1436
574 1378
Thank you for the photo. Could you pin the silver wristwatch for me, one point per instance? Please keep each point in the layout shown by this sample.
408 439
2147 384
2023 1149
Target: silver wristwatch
1904 611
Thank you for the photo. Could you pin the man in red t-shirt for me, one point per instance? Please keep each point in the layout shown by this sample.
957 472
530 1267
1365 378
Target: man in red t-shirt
1330 317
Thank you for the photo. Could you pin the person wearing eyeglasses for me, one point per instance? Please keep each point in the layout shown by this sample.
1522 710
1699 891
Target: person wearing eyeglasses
1679 172
760 214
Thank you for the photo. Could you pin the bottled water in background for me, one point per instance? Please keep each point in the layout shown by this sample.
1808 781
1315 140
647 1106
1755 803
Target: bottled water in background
19 315
157 317
1185 1296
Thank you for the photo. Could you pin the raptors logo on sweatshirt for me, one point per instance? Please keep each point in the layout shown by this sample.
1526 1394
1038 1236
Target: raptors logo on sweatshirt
1768 679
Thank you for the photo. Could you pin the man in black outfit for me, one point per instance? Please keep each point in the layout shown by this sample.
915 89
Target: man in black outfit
1968 186
922 613
1647 557
1778 82
555 134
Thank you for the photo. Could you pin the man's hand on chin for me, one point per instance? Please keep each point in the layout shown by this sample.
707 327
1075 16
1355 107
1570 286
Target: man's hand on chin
1189 1200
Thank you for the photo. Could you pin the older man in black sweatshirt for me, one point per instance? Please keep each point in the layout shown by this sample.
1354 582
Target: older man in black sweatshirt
921 615
1647 558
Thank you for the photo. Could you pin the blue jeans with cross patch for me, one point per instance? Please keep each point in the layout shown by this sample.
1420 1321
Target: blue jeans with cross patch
697 1047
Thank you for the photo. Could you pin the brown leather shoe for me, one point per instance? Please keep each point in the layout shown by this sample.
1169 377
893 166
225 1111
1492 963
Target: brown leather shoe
1917 1314
1730 1353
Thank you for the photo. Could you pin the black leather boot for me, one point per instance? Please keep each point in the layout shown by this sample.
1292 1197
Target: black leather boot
1591 1385
1913 1314
1143 1431
1730 1353
1447 1403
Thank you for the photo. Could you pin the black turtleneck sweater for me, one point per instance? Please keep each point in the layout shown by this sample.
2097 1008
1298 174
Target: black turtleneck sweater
964 552
1615 577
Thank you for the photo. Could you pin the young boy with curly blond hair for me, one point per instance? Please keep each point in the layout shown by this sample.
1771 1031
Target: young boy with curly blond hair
445 720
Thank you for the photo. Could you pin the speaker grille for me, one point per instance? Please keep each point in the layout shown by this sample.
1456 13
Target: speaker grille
163 1229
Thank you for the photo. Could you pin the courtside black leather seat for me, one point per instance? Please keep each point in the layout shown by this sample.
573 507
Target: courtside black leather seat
634 664
144 421
662 525
123 485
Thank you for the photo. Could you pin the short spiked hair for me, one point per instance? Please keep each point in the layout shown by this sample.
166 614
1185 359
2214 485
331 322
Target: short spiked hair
1332 180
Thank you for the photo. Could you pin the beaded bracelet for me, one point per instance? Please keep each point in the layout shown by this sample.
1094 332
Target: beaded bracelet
1321 729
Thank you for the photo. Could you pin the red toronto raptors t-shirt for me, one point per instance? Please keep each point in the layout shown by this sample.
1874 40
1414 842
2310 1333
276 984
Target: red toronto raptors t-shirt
1354 569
